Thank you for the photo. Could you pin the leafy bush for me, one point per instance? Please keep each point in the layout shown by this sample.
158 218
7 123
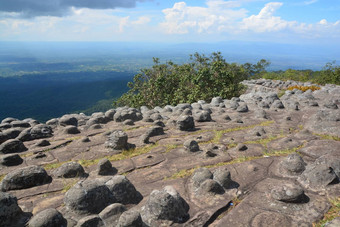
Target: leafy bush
201 79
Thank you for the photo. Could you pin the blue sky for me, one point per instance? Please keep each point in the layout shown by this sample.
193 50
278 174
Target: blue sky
286 21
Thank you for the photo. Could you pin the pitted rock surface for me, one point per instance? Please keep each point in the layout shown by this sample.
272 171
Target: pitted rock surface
284 178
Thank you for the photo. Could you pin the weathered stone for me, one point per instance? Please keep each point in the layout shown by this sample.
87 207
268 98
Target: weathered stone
210 186
242 108
48 218
109 114
223 177
110 215
185 123
293 164
128 122
166 204
9 209
191 145
70 129
12 146
200 175
155 131
88 197
8 120
277 104
68 120
105 168
10 160
20 124
318 176
117 140
26 177
69 170
123 190
42 143
241 147
90 221
130 219
37 132
289 193
202 116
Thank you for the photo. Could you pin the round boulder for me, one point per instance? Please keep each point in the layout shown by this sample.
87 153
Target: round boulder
48 218
191 145
10 160
200 175
88 197
117 140
289 193
185 123
130 219
26 177
90 221
223 177
105 168
293 164
9 209
69 170
12 146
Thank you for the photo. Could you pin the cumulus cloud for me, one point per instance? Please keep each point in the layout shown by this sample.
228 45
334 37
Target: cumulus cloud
219 14
33 8
265 21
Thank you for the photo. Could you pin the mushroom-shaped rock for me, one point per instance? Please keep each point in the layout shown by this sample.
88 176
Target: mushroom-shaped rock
105 168
20 124
26 177
289 193
112 213
123 190
117 140
293 164
48 218
242 108
88 197
110 113
185 123
130 219
90 221
191 145
12 146
166 204
277 104
223 177
10 160
155 131
200 175
69 170
9 209
43 143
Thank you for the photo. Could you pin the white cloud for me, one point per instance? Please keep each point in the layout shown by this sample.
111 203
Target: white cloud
182 19
265 21
310 2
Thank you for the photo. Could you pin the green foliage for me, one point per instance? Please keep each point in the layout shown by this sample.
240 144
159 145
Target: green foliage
329 74
201 79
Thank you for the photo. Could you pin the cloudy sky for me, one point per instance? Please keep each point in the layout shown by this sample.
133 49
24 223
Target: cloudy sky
286 21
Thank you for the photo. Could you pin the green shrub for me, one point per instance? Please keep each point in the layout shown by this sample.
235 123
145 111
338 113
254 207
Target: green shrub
201 79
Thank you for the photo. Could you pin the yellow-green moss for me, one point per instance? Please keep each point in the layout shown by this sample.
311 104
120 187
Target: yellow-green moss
331 214
328 137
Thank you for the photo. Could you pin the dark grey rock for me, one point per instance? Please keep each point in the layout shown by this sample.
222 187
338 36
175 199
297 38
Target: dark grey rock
242 108
70 129
130 219
88 197
277 104
69 170
109 114
191 145
42 143
26 177
185 123
117 140
331 105
202 116
91 221
105 168
5 126
166 204
8 120
241 147
318 177
210 186
110 215
20 124
155 131
68 120
9 209
263 104
216 101
289 193
293 164
223 177
128 122
10 160
200 175
37 132
48 218
85 139
12 146
159 123
123 190
53 122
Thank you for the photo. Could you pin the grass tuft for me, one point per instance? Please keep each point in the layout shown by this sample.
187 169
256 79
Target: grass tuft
331 214
327 137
